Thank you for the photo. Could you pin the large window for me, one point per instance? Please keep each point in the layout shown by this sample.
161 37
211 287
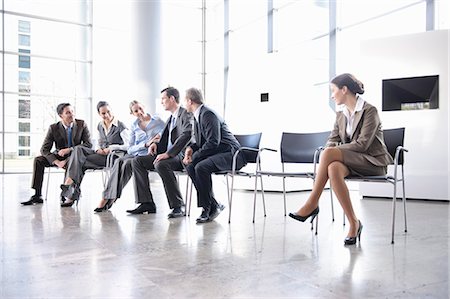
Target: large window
47 60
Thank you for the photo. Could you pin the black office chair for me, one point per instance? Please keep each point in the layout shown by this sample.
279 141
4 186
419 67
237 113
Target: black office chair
394 140
250 147
302 148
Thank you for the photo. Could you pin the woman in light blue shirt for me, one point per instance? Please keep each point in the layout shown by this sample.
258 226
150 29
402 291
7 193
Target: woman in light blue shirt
144 131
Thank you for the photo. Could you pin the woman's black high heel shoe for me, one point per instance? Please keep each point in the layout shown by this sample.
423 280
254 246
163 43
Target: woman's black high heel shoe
69 192
313 215
352 240
106 207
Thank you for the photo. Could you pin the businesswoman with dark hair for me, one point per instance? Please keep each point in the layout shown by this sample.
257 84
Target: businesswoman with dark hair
355 147
112 135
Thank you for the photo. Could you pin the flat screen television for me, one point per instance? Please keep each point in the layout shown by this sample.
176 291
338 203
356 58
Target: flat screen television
413 93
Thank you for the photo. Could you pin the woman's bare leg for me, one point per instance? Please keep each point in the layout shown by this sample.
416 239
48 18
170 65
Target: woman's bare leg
68 181
337 171
328 156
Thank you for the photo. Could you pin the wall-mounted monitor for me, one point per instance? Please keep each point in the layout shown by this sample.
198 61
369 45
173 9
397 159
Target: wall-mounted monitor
413 93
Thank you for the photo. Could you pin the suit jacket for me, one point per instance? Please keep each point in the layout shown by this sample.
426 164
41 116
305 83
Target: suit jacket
366 137
180 134
57 135
212 137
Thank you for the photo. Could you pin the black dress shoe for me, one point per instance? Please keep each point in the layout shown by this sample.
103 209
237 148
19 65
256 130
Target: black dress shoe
216 211
176 212
33 200
144 208
204 217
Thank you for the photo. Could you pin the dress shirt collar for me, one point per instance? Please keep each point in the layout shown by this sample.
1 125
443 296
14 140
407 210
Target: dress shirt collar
197 112
358 107
66 127
175 113
114 122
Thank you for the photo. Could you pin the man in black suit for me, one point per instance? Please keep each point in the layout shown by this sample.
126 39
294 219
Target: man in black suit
65 134
213 151
166 154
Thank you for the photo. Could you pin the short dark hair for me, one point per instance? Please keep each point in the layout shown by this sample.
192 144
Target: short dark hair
172 91
346 79
195 95
60 107
101 104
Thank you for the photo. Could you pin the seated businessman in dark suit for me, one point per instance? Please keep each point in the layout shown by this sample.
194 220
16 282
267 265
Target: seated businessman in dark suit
65 134
213 151
166 155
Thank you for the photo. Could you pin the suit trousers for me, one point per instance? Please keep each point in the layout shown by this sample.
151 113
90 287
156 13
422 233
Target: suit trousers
165 169
119 177
40 162
200 174
141 166
83 158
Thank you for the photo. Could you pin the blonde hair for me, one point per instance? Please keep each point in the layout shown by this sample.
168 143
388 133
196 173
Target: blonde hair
132 103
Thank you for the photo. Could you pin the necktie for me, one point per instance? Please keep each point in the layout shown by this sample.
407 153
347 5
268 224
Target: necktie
69 136
171 126
197 132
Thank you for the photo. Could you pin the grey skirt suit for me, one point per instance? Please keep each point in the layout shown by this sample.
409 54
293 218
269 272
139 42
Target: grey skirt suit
364 151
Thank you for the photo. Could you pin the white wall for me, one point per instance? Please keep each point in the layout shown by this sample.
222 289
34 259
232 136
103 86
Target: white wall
427 131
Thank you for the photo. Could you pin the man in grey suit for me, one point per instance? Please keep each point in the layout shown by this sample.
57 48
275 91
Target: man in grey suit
213 151
166 155
65 134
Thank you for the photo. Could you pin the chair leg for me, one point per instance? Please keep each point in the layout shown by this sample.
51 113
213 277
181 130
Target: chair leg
186 194
254 196
284 195
263 198
404 200
191 186
48 181
394 199
230 197
332 204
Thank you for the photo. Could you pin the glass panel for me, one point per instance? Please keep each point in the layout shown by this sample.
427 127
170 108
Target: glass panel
409 20
24 152
50 77
49 38
17 160
354 11
24 127
24 40
24 77
24 62
24 108
75 11
24 26
299 21
24 140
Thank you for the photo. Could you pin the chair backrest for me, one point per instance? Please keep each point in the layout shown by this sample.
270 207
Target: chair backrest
250 140
392 139
300 147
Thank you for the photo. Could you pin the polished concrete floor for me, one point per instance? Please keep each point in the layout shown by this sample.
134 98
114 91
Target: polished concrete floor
53 252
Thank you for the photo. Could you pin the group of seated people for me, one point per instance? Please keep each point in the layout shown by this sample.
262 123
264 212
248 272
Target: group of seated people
196 139
150 144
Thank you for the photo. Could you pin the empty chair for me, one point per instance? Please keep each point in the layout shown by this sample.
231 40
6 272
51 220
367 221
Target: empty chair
297 148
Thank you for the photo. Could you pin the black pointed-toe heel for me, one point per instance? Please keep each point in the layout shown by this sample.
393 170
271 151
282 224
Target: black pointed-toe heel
300 218
67 204
106 207
352 240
